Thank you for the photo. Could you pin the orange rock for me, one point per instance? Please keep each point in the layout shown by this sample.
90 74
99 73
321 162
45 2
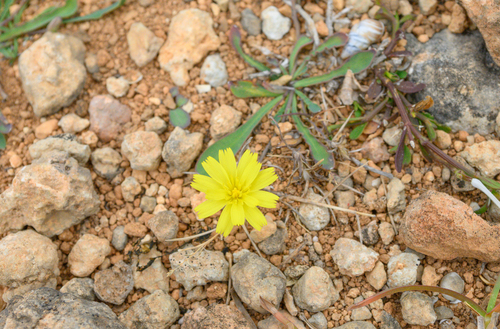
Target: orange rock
46 129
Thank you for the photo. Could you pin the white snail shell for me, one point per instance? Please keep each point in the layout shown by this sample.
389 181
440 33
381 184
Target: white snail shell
362 35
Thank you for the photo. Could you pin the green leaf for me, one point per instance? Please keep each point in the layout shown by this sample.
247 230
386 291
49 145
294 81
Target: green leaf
480 211
336 40
402 74
494 295
235 39
246 89
431 133
179 118
96 14
443 128
278 116
356 132
313 107
236 140
356 63
41 20
5 9
490 183
406 18
406 156
318 150
180 100
301 70
301 43
3 142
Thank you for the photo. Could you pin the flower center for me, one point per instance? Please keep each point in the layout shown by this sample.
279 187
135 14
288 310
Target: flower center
235 194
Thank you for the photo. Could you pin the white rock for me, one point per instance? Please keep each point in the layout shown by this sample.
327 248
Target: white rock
143 45
315 218
224 120
72 123
396 199
203 89
402 270
274 25
87 254
154 276
392 135
117 87
485 156
315 291
214 71
353 258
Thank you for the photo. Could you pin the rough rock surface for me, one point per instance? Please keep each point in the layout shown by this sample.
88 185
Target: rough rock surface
155 311
224 121
215 316
164 225
214 71
65 143
418 308
314 218
28 261
87 254
106 162
107 116
484 156
357 325
143 45
396 199
205 266
130 188
254 277
142 149
148 276
190 37
352 257
458 77
50 195
114 284
52 72
315 291
117 87
48 308
402 270
72 123
180 150
443 227
81 287
274 25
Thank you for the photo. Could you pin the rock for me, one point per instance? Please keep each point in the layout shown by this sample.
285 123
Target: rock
114 284
443 227
272 323
106 162
164 225
357 325
148 204
484 18
276 242
373 202
345 199
143 45
386 232
392 135
454 282
197 294
190 38
405 7
215 316
427 7
180 150
155 311
484 156
430 277
193 269
254 277
319 321
143 150
130 188
46 129
65 143
458 19
49 308
443 139
80 287
87 254
370 234
52 72
417 308
117 87
150 276
250 22
214 71
377 277
274 25
224 121
265 232
91 63
443 312
362 313
315 291
353 258
50 195
314 217
107 116
396 199
135 229
455 71
119 239
72 123
359 6
402 270
375 150
388 322
156 124
146 3
28 261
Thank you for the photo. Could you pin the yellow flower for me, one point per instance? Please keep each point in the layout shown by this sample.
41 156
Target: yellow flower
236 188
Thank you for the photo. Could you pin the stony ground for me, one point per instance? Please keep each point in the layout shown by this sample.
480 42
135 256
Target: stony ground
95 209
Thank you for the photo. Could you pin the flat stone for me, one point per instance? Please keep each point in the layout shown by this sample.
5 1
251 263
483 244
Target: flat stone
114 284
353 258
107 117
106 162
87 254
315 291
216 316
180 150
80 287
143 45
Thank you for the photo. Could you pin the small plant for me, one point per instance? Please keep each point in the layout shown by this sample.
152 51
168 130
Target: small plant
486 315
178 117
5 128
286 86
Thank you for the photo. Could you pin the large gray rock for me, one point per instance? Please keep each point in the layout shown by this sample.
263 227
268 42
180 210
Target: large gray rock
50 195
48 308
460 77
63 142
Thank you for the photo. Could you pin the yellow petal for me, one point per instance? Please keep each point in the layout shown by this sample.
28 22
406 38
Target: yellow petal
266 199
250 201
237 214
228 161
255 217
224 225
215 170
209 207
204 183
250 172
247 158
265 178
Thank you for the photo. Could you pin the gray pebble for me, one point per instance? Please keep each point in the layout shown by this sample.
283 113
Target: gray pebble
387 321
81 287
443 312
417 308
250 22
114 284
148 204
319 321
454 282
276 242
120 239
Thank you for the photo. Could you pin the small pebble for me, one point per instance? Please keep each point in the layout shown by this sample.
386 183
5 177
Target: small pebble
452 281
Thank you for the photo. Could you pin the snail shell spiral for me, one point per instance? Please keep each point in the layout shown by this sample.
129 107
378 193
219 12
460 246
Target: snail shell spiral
362 35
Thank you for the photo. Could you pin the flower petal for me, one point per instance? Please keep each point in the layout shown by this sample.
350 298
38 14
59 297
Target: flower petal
237 214
204 183
265 178
249 174
215 170
255 217
250 201
224 225
247 158
209 207
266 199
228 161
